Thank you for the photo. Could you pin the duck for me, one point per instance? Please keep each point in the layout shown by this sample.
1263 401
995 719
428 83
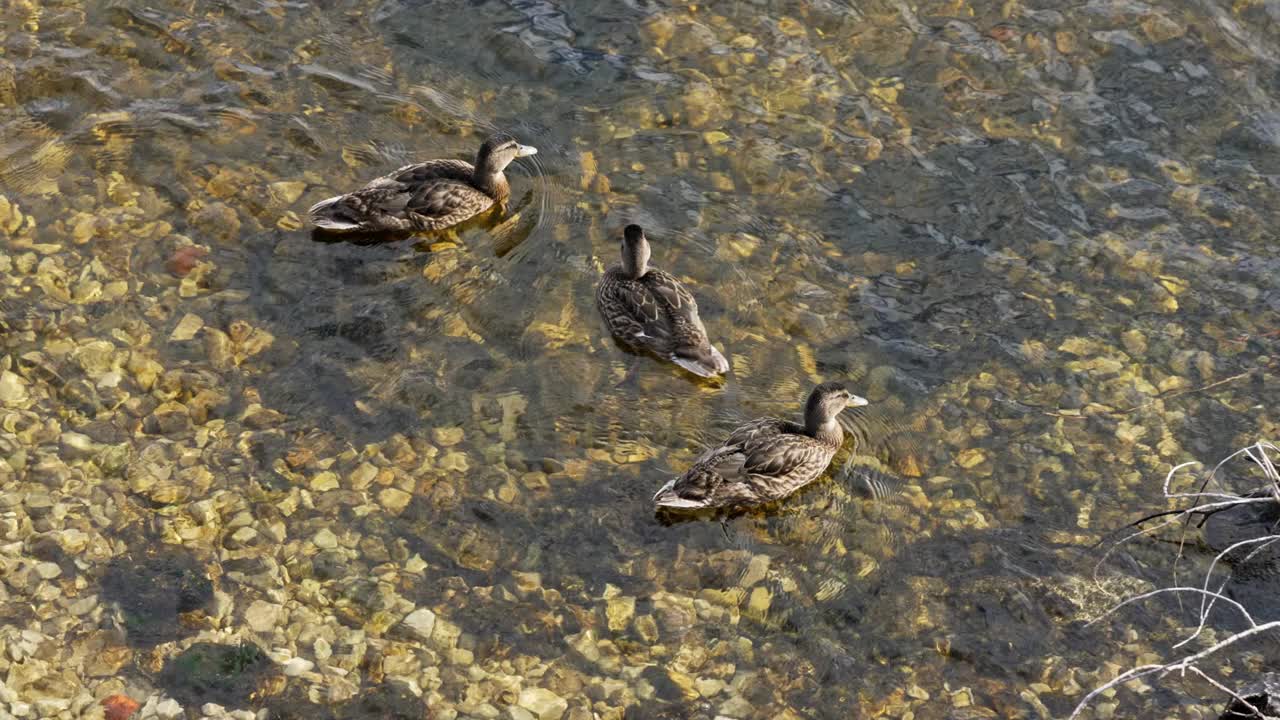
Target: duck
432 195
765 459
648 310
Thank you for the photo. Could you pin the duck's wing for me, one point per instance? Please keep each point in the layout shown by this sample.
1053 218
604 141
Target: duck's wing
746 433
439 193
761 460
759 428
674 298
419 173
440 203
786 456
690 347
704 483
422 196
633 313
373 208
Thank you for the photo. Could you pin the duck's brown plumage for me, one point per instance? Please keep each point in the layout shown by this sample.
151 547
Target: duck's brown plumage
426 196
765 459
648 310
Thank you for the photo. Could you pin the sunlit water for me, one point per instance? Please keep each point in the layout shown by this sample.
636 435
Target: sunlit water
1011 226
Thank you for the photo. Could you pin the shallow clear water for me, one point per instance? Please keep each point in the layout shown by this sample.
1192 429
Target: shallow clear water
1023 230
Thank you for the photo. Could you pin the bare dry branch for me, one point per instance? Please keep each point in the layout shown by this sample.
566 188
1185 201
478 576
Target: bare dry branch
1206 503
1253 710
1161 591
1180 666
1124 677
1206 602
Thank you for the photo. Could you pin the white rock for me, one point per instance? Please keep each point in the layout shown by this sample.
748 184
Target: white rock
13 389
544 704
169 710
19 709
736 707
323 649
420 622
50 707
262 616
212 710
78 442
298 666
515 712
325 539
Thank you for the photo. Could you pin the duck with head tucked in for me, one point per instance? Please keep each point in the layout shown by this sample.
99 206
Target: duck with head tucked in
649 311
427 196
766 459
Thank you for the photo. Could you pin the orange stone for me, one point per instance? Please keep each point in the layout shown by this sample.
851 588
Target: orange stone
184 259
120 707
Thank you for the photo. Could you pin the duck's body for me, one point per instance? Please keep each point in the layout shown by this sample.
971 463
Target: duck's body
426 196
764 460
650 311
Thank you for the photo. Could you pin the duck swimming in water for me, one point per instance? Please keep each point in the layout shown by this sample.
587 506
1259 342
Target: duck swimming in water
649 311
427 196
766 459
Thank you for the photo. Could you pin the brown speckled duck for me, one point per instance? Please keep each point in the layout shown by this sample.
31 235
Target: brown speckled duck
766 459
649 311
427 196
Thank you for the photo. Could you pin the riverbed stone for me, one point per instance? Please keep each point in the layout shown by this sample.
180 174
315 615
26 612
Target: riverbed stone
421 623
13 389
619 611
297 666
262 616
325 539
542 703
394 499
446 436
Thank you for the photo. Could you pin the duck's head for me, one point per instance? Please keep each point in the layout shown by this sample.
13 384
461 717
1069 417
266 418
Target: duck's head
826 401
635 251
498 151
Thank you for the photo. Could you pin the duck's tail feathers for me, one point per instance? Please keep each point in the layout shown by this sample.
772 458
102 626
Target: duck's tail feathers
322 218
665 488
666 497
671 500
704 361
325 204
674 501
